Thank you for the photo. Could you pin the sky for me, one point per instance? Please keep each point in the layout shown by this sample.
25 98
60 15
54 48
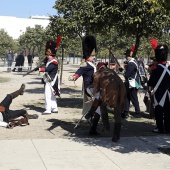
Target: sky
27 8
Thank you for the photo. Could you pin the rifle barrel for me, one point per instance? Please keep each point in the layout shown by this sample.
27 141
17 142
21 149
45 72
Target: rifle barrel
115 58
30 71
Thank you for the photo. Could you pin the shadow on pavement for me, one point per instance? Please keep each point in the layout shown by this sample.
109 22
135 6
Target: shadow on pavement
133 142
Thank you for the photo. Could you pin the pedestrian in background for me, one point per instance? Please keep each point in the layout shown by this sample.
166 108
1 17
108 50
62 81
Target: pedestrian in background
15 56
17 63
113 64
30 61
9 59
21 60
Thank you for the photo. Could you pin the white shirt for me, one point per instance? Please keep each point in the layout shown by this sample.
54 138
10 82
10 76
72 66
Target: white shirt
2 123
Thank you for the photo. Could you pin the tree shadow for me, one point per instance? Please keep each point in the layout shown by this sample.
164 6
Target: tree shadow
134 127
36 108
74 93
134 140
62 102
70 91
69 127
35 82
35 91
70 102
143 115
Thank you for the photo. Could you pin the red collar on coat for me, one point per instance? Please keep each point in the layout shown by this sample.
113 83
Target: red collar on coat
155 65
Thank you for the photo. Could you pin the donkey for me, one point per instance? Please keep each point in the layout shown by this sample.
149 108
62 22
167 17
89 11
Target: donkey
113 95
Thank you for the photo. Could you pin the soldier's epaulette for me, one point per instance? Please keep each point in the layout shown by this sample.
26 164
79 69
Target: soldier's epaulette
55 62
83 64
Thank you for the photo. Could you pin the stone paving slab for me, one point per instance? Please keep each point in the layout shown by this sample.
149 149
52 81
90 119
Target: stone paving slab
129 153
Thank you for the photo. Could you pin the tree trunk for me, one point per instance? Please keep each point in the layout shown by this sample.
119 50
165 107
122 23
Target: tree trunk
137 42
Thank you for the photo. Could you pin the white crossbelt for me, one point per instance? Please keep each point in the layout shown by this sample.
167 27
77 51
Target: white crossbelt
1 117
162 101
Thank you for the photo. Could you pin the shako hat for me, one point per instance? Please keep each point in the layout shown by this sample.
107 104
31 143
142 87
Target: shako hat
112 61
129 52
52 46
89 46
161 50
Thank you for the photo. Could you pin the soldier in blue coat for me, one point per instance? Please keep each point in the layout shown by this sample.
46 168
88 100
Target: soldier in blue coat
159 86
131 72
86 70
50 78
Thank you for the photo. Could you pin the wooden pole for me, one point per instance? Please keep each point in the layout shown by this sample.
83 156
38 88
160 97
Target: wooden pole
62 59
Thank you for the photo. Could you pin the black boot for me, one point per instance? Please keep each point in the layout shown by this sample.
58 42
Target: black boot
125 115
14 69
116 132
93 128
34 116
18 92
90 113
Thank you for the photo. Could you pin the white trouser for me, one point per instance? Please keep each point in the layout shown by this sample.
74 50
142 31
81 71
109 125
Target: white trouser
50 99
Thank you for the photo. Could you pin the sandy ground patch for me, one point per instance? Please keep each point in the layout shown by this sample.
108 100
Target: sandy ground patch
60 125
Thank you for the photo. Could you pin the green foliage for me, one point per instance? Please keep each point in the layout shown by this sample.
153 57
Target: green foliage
33 40
6 43
117 24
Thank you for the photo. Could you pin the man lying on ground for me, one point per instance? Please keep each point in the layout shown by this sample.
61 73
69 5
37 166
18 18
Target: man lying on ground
7 116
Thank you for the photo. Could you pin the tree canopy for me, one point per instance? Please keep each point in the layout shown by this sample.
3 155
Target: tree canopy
33 40
117 25
128 18
6 42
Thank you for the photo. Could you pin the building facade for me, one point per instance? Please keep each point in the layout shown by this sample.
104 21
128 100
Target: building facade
17 26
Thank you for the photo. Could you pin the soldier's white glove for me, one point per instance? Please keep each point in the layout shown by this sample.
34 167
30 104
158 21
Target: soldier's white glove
72 78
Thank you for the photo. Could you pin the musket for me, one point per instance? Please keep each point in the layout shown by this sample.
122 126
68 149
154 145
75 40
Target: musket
143 65
35 69
154 44
28 72
77 124
114 58
79 121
